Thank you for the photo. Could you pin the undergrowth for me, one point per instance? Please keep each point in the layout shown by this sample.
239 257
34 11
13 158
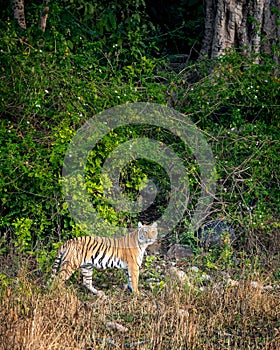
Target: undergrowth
220 316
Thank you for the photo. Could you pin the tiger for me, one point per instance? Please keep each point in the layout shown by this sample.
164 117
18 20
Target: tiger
86 252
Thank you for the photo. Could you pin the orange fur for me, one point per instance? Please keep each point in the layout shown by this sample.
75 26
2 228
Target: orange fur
87 252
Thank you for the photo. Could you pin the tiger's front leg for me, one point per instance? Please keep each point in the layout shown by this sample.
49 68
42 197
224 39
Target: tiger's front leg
132 278
86 272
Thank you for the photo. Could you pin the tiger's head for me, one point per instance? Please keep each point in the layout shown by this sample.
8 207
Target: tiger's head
147 234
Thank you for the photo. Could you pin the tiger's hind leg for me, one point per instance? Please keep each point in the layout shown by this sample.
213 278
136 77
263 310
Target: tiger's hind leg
66 270
86 272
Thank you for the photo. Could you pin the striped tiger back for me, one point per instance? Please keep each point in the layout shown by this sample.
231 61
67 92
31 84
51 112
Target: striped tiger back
87 252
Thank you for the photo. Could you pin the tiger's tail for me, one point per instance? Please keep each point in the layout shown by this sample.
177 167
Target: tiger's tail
57 263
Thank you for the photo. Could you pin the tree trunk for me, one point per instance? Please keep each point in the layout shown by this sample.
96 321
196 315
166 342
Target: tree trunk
43 16
18 10
249 25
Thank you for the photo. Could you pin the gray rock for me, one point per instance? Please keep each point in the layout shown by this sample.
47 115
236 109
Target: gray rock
178 252
176 275
155 249
213 234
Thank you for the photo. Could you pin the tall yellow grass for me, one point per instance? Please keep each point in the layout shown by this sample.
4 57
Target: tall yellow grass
239 317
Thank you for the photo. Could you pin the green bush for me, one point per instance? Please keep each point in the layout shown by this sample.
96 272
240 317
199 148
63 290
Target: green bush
50 85
231 91
236 103
45 97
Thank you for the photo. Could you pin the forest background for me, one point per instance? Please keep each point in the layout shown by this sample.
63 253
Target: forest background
95 55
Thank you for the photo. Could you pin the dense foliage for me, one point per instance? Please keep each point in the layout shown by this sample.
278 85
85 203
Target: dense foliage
102 54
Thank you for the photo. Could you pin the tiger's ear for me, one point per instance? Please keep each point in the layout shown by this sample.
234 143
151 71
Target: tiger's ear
139 224
154 225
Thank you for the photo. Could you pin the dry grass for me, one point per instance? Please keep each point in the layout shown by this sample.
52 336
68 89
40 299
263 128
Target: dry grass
239 317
